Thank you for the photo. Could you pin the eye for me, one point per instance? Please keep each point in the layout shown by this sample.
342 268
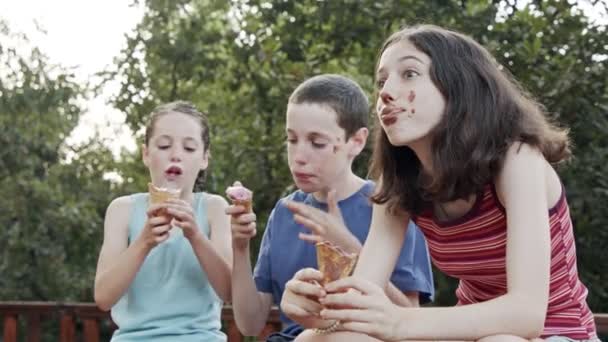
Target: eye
409 74
163 147
380 83
190 149
290 140
318 145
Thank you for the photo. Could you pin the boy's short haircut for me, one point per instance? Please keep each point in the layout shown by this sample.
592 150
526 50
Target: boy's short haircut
341 94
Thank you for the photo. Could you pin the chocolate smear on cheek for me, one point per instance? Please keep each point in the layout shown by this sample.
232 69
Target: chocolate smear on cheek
411 97
336 148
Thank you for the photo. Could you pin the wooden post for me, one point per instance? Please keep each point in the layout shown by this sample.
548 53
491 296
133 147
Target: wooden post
68 329
10 328
234 335
33 327
91 330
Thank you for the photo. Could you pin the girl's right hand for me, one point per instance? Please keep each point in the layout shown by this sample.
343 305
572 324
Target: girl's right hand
301 296
242 224
156 228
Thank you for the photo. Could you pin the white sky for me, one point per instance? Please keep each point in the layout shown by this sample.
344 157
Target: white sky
86 35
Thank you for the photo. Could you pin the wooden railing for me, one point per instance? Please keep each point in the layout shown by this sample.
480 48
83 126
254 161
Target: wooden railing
84 321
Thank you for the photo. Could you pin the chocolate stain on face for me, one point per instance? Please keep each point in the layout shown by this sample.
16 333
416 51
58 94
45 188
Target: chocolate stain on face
336 148
412 96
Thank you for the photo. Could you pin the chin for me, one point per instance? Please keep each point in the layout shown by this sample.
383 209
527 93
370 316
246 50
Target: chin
307 187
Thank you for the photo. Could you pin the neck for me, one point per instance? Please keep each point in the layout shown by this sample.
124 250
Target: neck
344 187
422 149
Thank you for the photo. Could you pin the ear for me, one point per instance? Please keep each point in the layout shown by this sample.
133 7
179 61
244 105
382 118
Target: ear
205 161
145 155
357 142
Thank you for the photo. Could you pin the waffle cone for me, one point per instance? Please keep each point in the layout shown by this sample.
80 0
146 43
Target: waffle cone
160 195
245 203
333 262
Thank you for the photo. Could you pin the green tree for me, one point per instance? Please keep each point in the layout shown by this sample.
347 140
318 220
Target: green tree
52 209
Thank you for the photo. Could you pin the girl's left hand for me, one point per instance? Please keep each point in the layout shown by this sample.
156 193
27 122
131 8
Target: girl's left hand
368 309
183 217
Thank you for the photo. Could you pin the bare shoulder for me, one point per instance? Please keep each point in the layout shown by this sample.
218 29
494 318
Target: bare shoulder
526 168
215 202
119 207
520 151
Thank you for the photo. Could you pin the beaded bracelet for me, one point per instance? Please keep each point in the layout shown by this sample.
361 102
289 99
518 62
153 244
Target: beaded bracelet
328 330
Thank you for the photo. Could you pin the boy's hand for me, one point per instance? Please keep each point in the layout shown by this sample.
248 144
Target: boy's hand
302 293
156 228
242 224
325 226
183 217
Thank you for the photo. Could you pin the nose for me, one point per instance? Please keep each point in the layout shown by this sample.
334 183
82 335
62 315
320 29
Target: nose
300 154
386 96
175 155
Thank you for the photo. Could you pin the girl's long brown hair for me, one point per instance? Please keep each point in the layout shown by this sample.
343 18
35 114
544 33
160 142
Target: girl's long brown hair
486 112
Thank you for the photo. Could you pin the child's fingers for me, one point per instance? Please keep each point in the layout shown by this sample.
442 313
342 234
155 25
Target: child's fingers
154 208
245 219
308 274
235 210
294 310
180 215
244 230
312 238
161 238
159 230
311 224
158 220
302 288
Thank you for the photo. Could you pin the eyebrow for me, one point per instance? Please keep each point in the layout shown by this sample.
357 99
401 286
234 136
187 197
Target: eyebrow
403 58
311 135
170 138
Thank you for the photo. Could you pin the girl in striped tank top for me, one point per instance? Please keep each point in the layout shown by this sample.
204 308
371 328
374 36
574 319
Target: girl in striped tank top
466 153
164 268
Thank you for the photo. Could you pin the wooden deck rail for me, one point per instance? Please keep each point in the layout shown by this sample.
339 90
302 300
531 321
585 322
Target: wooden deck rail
84 321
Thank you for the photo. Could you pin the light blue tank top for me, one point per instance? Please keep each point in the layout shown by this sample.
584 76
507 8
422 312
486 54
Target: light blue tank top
170 298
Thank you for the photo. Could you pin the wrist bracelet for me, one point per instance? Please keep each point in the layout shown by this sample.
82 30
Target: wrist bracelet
328 330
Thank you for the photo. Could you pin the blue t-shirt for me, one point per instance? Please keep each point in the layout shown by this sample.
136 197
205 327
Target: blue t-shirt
282 253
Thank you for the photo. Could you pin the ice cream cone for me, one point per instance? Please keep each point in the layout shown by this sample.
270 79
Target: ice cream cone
240 195
333 262
159 195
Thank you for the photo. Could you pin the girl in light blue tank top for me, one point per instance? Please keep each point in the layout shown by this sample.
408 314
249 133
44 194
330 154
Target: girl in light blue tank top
164 269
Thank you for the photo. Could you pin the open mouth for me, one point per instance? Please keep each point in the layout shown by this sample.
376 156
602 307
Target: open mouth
388 120
173 171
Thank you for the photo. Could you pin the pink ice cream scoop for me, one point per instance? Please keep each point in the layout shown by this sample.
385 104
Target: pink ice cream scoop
240 195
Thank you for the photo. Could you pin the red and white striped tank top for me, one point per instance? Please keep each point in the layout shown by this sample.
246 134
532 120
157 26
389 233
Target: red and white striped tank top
473 249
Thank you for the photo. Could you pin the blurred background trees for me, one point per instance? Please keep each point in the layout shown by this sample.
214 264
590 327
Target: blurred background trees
239 61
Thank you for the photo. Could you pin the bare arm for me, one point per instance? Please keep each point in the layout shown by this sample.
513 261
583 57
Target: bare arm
251 307
118 264
214 253
387 234
523 187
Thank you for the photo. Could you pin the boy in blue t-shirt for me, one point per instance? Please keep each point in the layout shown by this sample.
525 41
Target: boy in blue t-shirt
326 127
